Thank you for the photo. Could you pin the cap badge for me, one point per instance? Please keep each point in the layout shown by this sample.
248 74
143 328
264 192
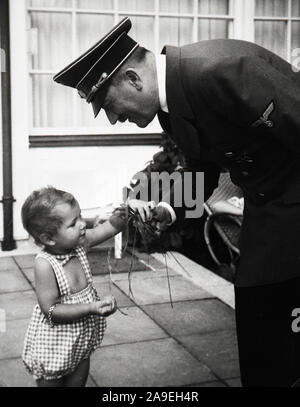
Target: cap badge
95 87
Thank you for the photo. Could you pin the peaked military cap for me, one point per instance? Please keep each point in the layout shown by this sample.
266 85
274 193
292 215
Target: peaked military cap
90 73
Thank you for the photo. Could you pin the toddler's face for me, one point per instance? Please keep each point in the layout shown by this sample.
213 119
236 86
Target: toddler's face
72 231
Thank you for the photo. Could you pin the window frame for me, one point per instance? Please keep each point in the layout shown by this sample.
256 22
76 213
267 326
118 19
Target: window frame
288 19
113 133
241 15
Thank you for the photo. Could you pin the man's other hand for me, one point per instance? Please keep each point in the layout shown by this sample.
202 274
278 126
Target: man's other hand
145 209
162 216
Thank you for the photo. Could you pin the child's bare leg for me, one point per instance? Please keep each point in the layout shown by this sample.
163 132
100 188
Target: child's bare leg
79 377
50 383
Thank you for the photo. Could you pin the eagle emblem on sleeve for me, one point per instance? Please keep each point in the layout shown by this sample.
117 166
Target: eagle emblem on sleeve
264 118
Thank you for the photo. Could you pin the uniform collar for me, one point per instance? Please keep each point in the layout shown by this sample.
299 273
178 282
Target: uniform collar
181 120
175 94
161 81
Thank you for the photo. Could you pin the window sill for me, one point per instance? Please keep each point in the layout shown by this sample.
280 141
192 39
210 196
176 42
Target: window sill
89 140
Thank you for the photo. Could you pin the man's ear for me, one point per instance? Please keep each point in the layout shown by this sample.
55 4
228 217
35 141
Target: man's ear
46 239
134 79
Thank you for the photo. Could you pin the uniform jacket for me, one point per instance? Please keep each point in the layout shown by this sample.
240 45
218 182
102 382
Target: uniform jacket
236 105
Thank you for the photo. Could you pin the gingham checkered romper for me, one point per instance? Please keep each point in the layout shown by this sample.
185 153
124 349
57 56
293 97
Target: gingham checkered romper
53 352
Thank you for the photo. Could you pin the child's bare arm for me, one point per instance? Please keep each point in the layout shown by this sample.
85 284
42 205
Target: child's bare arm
64 313
46 287
48 294
117 221
101 233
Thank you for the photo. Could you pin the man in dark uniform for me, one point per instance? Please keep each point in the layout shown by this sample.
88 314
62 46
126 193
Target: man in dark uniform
232 104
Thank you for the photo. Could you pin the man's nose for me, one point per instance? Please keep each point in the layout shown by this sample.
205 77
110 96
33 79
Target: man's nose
112 117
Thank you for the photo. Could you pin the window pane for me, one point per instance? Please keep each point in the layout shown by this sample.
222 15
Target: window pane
272 35
95 4
50 3
212 29
52 29
90 29
213 6
175 31
176 6
51 103
143 31
136 5
295 35
270 8
296 8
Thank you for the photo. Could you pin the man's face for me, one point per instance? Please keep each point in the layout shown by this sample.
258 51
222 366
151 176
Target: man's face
72 230
126 100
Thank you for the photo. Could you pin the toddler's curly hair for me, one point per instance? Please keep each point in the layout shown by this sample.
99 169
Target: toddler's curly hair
37 212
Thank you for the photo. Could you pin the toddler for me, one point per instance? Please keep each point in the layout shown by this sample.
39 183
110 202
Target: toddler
68 322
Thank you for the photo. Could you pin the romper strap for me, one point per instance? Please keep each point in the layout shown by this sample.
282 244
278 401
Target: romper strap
82 256
61 279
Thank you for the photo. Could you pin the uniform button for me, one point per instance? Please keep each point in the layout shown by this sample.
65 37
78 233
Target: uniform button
245 173
261 194
229 154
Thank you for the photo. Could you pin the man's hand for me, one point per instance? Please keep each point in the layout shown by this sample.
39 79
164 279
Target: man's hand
159 216
145 209
162 216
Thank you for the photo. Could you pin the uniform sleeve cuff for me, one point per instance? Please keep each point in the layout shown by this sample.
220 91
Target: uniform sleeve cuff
171 211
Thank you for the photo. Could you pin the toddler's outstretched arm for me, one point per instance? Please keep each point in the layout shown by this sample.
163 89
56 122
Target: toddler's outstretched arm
117 222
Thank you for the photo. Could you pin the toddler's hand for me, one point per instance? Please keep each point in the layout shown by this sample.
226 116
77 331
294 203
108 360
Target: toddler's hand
105 307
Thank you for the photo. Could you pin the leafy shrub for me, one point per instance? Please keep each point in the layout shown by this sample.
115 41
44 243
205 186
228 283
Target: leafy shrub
183 236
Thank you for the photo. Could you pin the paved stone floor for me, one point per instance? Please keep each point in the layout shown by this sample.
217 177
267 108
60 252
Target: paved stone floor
191 343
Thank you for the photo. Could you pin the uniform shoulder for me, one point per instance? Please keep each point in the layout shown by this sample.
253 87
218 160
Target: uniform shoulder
221 48
215 71
216 56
